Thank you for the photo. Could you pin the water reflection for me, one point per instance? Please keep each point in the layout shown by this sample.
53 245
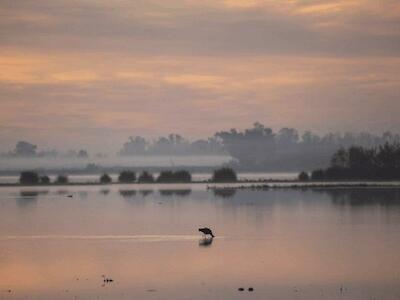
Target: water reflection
32 194
127 193
145 193
83 194
26 199
105 192
206 241
224 192
303 244
29 198
385 197
175 192
62 192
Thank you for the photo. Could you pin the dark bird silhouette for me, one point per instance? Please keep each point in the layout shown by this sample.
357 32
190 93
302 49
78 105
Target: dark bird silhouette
206 231
106 280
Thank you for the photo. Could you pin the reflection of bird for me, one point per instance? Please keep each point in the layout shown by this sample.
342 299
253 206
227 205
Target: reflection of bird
206 242
206 231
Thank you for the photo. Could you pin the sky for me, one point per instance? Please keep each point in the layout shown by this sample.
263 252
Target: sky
94 72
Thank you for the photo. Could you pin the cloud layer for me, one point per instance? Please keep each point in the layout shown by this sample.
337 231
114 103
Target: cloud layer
81 72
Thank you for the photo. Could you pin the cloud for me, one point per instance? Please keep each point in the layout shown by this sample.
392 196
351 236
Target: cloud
101 68
334 28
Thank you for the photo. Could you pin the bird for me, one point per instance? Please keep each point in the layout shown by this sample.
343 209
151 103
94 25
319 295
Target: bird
105 279
206 230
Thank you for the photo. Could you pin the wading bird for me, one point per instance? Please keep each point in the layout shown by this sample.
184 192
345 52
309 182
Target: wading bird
206 231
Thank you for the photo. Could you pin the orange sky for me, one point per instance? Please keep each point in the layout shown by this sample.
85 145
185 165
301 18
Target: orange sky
84 72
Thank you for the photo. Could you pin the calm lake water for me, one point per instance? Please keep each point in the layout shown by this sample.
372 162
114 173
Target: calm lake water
286 243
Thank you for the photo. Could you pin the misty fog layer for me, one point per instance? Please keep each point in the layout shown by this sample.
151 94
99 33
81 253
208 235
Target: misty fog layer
258 148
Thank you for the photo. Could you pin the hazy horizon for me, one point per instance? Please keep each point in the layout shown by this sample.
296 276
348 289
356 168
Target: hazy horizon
93 73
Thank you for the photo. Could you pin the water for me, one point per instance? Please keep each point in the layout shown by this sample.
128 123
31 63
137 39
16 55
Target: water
286 244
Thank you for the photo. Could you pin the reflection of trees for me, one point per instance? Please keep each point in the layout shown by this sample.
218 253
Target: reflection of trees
29 197
105 192
183 193
224 192
365 196
176 192
62 192
127 193
29 194
145 193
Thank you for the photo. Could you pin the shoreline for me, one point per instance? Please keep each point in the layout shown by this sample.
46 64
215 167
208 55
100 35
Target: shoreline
243 184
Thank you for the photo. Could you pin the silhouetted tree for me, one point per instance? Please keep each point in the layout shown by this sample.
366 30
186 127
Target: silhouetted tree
356 162
135 146
83 154
260 148
174 177
182 176
303 176
91 167
318 175
105 178
145 177
173 144
62 179
44 179
29 177
25 149
127 177
224 175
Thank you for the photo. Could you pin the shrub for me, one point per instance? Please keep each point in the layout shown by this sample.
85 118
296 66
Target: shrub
174 177
145 177
303 176
44 179
105 178
318 175
127 177
165 176
182 176
224 175
29 177
62 179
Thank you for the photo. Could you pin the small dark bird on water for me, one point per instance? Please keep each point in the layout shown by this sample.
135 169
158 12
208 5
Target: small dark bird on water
105 279
206 231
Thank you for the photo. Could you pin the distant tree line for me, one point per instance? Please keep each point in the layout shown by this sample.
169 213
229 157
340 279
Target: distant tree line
167 176
173 144
362 163
180 176
260 148
27 149
33 178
